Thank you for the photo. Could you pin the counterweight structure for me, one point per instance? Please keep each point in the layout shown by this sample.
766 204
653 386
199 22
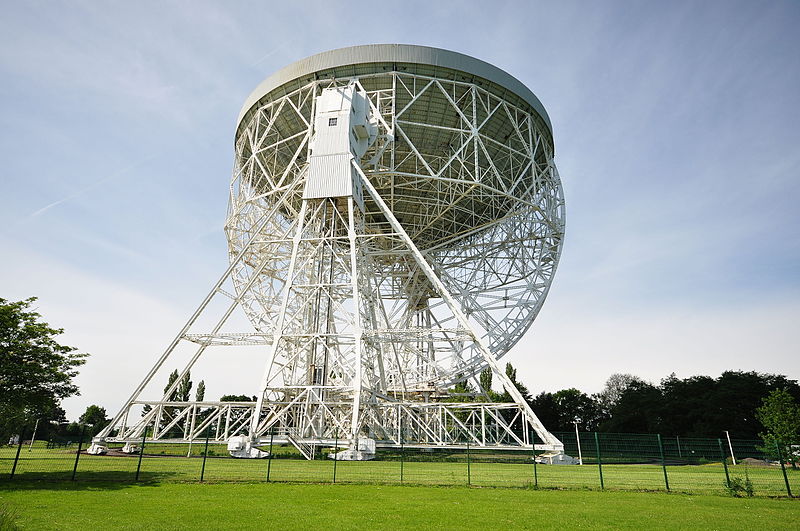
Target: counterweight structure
395 221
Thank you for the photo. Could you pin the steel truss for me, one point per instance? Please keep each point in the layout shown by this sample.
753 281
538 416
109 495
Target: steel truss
500 426
371 306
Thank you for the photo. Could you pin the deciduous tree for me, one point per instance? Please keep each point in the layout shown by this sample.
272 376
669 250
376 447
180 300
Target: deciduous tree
36 371
94 418
780 415
237 398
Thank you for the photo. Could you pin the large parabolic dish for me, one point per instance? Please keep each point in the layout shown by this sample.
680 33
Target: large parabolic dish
463 158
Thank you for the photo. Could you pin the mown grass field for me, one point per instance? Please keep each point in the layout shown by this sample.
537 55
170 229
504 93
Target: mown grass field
288 506
53 465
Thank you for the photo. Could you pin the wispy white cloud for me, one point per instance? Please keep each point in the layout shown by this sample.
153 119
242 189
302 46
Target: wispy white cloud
269 54
89 187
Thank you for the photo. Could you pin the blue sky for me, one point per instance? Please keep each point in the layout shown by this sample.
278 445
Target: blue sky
677 139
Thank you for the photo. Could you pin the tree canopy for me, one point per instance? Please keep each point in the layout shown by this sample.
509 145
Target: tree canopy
611 394
237 398
36 371
697 406
780 415
94 418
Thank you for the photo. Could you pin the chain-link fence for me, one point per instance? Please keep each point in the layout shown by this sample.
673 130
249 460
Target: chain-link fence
608 461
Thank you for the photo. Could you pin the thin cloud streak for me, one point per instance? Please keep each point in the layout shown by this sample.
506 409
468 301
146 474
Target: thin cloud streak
95 184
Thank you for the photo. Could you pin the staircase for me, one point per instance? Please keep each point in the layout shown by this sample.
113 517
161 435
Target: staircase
307 449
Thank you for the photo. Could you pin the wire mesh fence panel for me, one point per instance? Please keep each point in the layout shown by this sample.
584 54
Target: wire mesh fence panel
42 460
695 465
568 476
632 462
749 449
501 468
299 469
175 461
10 453
223 467
435 466
7 454
634 477
792 467
288 464
762 479
692 451
577 447
582 447
386 467
755 468
623 461
113 466
706 479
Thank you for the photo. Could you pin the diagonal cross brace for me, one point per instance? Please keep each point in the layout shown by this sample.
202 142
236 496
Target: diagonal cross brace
548 438
261 224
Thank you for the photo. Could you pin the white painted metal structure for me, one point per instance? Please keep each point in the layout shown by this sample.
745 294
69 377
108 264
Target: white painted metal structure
394 225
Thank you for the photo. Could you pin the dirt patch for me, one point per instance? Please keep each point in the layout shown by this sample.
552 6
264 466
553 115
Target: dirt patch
751 461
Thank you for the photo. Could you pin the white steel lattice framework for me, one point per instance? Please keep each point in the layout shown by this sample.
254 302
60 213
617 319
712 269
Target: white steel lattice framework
379 276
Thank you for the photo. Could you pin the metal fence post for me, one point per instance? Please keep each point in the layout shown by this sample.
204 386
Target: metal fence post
469 470
141 453
78 453
535 473
663 463
205 456
599 459
783 469
19 449
33 436
402 455
724 463
336 451
269 457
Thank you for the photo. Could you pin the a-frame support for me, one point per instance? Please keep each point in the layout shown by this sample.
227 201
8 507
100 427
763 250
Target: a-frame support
332 336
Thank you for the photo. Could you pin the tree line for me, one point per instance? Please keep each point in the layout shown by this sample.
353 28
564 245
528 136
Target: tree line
697 406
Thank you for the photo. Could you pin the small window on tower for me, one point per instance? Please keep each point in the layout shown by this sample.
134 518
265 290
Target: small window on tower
331 122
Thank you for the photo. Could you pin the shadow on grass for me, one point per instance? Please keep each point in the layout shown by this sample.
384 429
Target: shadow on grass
84 481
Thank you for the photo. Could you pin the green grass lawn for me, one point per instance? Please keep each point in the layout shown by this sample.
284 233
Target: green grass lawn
419 468
167 506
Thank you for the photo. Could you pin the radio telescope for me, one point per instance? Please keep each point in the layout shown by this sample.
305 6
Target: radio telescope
394 224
